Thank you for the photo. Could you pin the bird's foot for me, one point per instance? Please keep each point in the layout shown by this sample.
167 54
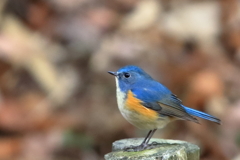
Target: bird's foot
132 148
141 147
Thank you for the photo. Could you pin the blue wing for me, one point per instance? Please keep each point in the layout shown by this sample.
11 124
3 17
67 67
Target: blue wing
157 97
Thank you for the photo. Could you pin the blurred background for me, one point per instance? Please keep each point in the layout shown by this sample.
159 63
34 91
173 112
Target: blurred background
57 101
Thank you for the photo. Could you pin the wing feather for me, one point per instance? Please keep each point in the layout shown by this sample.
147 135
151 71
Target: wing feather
176 112
163 101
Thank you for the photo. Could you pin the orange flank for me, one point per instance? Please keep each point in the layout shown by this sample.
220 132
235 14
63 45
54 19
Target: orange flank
134 104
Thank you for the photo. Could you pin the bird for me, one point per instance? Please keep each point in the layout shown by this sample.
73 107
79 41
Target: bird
148 104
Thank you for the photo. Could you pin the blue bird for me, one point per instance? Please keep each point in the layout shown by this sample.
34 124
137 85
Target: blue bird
147 104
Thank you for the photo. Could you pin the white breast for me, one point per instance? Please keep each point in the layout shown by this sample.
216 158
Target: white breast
120 98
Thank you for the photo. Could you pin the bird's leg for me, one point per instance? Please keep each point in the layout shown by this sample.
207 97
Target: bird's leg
144 144
145 139
150 136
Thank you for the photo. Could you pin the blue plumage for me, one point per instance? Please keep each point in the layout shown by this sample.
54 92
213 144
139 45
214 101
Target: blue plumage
158 97
154 98
202 115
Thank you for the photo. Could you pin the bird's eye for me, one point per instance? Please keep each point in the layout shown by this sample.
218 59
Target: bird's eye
126 75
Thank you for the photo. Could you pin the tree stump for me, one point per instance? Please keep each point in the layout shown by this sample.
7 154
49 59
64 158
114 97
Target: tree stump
162 150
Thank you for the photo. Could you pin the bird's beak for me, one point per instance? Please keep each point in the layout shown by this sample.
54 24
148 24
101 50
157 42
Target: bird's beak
112 73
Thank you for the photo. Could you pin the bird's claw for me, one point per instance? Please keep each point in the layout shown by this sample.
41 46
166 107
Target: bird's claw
136 148
141 147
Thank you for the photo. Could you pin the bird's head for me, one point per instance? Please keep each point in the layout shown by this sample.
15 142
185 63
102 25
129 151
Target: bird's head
128 76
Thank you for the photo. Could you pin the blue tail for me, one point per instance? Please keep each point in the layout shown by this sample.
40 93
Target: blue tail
202 115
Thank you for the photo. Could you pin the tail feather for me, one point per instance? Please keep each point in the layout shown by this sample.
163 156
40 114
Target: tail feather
202 115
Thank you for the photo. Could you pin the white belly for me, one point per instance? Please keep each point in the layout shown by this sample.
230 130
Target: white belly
136 119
